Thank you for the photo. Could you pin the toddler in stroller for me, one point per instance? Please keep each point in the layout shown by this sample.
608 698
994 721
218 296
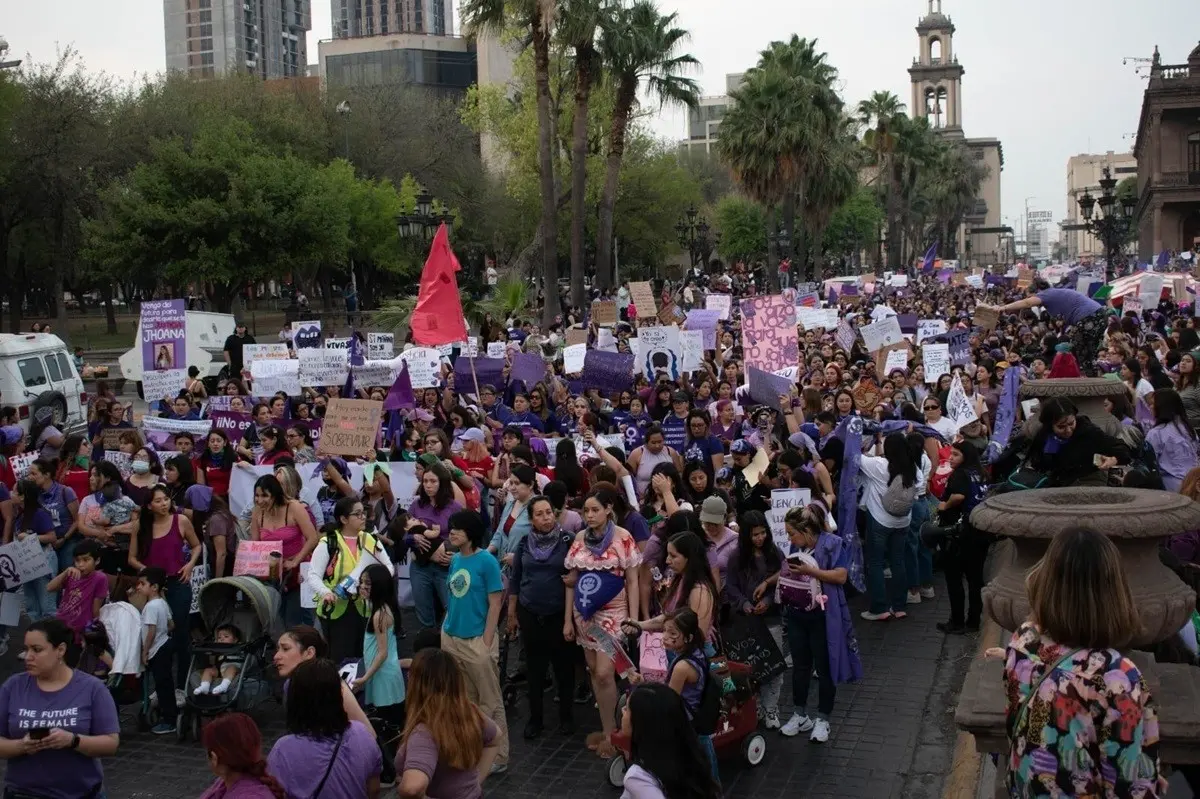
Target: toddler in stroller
228 666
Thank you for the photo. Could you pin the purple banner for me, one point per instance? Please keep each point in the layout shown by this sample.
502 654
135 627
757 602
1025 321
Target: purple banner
489 371
960 347
234 424
164 335
529 369
705 321
908 322
607 371
766 388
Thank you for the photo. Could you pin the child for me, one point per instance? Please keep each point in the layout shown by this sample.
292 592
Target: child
156 645
84 590
117 509
227 665
97 657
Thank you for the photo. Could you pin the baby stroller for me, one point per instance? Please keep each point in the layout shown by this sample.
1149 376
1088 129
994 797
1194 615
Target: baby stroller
737 725
253 608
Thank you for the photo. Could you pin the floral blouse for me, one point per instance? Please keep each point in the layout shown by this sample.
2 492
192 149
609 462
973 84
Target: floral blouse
1090 732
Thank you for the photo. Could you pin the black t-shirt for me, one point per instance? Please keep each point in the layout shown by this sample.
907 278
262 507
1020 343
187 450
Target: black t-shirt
833 450
233 345
959 482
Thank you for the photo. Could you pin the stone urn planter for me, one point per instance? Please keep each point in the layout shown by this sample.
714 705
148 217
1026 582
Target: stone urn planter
1087 393
1136 520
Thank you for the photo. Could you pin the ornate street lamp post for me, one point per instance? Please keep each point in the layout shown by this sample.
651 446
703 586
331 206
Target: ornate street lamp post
695 236
423 223
1114 225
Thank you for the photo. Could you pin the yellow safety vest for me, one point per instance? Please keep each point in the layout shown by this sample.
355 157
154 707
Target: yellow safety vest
346 563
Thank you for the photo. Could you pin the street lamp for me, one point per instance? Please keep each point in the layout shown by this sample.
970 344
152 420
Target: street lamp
695 236
782 242
1114 224
423 223
4 51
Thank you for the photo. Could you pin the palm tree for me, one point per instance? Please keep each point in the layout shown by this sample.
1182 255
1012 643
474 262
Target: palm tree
883 109
578 24
537 18
830 184
638 44
781 120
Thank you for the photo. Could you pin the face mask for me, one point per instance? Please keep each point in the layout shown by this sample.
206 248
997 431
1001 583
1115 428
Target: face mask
82 460
140 467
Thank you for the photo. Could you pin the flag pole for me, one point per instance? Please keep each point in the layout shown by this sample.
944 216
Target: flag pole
471 360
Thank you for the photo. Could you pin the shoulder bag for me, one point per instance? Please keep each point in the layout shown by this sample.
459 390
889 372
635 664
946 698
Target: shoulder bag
329 768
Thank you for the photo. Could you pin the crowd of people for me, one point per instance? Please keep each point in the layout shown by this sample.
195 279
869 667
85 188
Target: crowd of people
579 520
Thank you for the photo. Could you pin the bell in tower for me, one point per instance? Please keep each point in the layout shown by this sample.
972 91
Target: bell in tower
936 74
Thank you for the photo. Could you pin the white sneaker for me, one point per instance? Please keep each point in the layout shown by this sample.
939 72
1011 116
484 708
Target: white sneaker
927 593
820 733
869 616
914 598
796 725
772 720
887 572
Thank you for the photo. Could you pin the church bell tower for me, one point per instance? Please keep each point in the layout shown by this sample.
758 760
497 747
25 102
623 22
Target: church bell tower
936 74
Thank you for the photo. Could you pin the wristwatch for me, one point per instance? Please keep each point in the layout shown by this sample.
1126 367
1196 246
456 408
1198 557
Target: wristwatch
75 741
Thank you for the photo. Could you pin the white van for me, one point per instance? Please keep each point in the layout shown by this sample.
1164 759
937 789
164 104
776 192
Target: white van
36 371
206 334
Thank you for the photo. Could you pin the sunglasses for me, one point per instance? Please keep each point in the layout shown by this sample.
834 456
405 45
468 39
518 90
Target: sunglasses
933 407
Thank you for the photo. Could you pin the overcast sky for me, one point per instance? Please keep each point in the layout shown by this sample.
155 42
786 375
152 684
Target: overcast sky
1043 76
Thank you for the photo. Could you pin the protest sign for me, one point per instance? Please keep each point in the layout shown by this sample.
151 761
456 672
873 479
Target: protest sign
692 344
1030 407
769 331
528 368
866 396
898 281
960 347
20 464
985 317
1131 304
351 427
959 407
882 312
424 366
896 359
576 335
233 424
974 281
748 640
705 320
337 344
495 349
604 313
936 358
882 333
845 335
322 367
809 299
813 318
261 559
258 352
607 371
783 500
164 335
573 358
122 460
487 371
22 561
605 340
377 373
643 298
306 334
659 352
720 303
670 314
928 328
270 377
1150 291
194 427
766 388
161 384
380 346
110 437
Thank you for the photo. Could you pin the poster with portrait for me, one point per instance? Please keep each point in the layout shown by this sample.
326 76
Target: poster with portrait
660 352
164 335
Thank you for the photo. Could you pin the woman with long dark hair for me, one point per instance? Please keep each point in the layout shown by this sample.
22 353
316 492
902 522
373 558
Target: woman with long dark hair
30 518
568 471
965 556
666 761
234 747
695 586
1172 439
890 473
277 518
216 463
1189 387
750 589
382 683
1131 374
428 532
74 463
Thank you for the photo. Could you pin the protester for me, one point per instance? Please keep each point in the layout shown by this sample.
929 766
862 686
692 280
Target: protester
666 759
234 747
277 518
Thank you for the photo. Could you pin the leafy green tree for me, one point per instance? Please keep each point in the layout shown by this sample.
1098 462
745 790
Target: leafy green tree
742 224
880 114
639 46
854 224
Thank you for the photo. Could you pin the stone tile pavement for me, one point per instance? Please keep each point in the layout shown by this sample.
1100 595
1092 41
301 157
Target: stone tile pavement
892 734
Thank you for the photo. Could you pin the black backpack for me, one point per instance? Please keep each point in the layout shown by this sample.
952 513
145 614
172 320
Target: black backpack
708 711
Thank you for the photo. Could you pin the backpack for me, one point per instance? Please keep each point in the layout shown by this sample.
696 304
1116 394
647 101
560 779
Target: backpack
898 500
708 711
941 473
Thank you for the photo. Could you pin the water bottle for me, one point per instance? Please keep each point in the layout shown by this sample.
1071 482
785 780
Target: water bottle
345 588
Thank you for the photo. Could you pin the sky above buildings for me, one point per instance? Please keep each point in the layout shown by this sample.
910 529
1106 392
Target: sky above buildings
1044 76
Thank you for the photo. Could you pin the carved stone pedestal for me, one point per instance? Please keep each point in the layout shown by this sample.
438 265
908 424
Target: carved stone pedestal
1087 394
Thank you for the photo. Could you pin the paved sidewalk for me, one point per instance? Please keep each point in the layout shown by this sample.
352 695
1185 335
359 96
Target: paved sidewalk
892 735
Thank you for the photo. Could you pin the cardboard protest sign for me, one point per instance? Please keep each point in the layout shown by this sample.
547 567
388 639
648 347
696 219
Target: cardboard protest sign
306 334
659 352
669 314
692 344
576 335
604 313
110 437
380 346
769 332
261 559
351 427
720 303
936 359
882 333
573 358
322 367
643 298
22 561
986 318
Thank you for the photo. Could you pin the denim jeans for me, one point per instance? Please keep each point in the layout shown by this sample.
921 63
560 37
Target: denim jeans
292 613
430 588
886 543
918 560
179 600
40 603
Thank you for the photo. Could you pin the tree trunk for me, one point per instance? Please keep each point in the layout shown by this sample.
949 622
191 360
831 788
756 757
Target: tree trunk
110 311
16 294
579 147
608 200
546 131
60 304
325 278
894 231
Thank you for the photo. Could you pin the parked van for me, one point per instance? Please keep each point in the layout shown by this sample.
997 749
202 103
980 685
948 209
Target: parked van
206 334
36 371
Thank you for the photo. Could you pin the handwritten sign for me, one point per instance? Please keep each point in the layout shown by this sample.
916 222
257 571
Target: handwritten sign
22 561
747 640
255 558
643 298
495 349
959 407
122 460
351 427
769 331
783 500
110 437
960 348
20 464
424 366
164 383
573 358
380 346
692 343
928 328
882 333
337 344
604 313
576 335
273 376
896 359
719 302
845 335
936 358
653 660
260 352
322 367
660 352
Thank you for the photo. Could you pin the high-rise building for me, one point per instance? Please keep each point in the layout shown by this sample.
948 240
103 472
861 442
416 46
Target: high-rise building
265 38
704 121
1084 172
446 64
354 18
937 95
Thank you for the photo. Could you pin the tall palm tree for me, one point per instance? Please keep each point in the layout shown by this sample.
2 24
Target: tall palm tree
639 46
536 18
879 114
830 184
578 24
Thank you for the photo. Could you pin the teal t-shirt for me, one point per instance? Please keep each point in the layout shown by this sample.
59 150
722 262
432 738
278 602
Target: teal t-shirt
471 579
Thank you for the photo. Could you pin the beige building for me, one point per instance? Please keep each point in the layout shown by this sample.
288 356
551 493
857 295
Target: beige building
937 95
704 121
1084 172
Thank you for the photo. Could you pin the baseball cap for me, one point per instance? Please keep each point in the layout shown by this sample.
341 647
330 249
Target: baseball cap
11 434
471 434
713 510
742 447
680 396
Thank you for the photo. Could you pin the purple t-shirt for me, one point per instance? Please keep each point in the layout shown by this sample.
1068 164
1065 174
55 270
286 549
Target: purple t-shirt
420 753
55 502
299 762
1068 304
83 707
77 596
